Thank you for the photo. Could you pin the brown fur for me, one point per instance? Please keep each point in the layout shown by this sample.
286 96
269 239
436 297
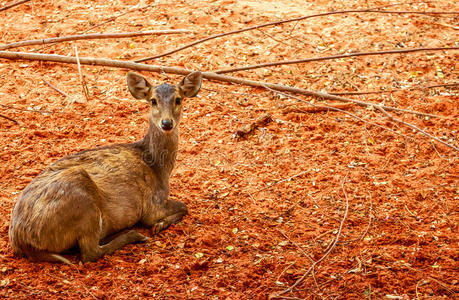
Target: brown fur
82 199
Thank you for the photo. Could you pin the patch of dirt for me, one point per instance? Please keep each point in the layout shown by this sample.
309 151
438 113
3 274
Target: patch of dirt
263 207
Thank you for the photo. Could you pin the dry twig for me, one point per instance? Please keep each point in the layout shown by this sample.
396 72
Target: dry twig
370 216
179 71
56 89
372 10
13 5
330 249
92 36
298 61
82 81
260 121
8 118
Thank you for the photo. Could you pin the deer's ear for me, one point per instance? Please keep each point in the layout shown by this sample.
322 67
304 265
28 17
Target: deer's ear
138 86
191 84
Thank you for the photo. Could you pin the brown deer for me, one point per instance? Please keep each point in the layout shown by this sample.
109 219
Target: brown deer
87 199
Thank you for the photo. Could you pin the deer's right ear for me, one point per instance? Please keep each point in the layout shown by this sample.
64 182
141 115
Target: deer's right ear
138 86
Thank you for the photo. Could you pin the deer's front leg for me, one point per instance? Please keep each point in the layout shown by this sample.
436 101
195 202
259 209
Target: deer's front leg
169 213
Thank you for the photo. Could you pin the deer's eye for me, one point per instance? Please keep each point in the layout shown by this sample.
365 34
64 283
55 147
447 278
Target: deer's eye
153 101
178 100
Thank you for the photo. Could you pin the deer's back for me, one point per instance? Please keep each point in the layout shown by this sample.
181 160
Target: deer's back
113 180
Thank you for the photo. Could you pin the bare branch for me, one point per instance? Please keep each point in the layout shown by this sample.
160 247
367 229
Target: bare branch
179 71
317 108
13 5
415 128
374 124
372 10
92 36
340 110
304 60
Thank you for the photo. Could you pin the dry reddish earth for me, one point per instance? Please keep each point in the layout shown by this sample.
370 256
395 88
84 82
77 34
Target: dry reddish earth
251 231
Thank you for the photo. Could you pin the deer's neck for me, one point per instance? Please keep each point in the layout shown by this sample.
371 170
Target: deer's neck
159 150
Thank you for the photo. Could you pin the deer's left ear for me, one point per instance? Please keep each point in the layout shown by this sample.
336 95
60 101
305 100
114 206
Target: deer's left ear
191 84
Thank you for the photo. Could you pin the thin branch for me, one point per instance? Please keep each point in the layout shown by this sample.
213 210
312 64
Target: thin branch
415 128
56 89
298 246
330 249
383 111
92 36
304 60
370 216
13 5
343 111
373 10
179 71
396 90
8 118
317 108
414 12
82 81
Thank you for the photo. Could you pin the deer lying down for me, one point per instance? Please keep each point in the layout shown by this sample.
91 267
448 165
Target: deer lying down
85 199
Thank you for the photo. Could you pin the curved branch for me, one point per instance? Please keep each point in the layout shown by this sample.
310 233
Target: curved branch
330 249
304 60
446 85
365 10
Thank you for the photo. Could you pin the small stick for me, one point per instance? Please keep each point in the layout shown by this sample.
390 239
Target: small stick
304 60
373 10
435 148
370 214
92 36
179 71
260 121
82 81
8 118
56 89
298 246
13 5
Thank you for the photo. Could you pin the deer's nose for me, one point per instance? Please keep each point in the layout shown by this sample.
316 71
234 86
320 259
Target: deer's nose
166 124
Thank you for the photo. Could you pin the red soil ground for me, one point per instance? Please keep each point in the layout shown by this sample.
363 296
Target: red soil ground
261 208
